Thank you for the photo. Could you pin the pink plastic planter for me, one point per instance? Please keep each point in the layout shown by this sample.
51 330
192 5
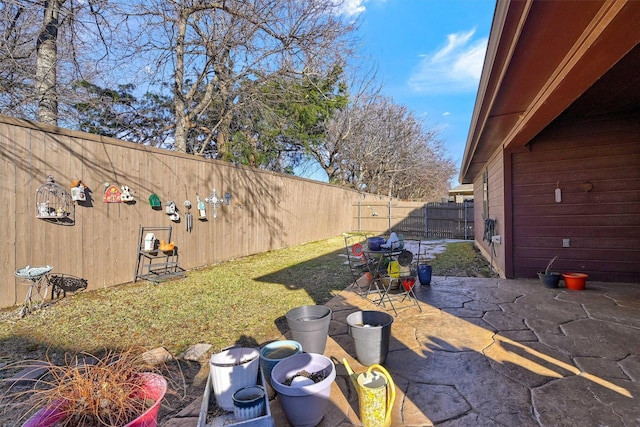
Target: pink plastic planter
155 389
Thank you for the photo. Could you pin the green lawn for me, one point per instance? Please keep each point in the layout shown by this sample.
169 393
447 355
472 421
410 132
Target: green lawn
241 301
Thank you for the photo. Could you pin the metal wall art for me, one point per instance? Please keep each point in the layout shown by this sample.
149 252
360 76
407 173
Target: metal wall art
214 201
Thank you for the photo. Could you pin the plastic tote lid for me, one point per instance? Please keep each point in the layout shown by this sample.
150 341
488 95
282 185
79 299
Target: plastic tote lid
235 356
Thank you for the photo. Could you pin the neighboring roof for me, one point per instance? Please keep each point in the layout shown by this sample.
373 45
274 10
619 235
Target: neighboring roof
544 56
462 189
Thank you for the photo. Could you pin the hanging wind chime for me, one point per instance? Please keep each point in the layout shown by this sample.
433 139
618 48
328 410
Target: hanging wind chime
188 218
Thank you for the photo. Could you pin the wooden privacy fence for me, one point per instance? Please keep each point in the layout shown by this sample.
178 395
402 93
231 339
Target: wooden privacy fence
415 219
265 210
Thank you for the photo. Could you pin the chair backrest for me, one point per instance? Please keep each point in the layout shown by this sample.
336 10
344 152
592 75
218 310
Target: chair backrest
354 244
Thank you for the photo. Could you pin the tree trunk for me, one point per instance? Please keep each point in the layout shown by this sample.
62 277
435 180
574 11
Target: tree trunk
46 60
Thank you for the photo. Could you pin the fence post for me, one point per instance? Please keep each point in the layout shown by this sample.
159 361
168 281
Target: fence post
426 221
466 237
389 216
359 216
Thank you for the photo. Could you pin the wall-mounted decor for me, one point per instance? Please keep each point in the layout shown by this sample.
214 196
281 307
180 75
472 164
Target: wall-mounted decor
172 210
586 187
126 194
78 191
188 218
227 198
214 201
202 211
54 204
154 201
112 194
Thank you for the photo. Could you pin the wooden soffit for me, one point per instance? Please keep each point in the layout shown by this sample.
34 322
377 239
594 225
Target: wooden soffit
541 57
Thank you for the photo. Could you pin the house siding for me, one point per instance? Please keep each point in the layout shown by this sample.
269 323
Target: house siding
496 252
596 164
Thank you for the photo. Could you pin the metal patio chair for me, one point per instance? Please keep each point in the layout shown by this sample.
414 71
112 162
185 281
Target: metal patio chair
360 266
398 284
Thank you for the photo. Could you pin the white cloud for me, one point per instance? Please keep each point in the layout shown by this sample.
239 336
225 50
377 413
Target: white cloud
454 68
446 113
350 7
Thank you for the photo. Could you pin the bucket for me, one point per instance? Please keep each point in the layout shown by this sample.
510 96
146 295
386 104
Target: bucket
274 352
549 280
309 325
575 281
371 331
231 370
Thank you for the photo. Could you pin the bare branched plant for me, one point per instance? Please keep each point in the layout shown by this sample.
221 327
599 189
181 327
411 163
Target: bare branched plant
92 391
546 270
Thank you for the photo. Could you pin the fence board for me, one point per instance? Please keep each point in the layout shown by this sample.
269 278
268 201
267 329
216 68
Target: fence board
268 211
432 220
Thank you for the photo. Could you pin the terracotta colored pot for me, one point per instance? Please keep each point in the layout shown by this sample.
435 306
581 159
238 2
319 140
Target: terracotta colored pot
575 281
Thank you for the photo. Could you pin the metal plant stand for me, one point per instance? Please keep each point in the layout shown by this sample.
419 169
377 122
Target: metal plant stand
37 278
154 264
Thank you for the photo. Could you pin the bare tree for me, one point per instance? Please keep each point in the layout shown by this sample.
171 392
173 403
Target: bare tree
46 63
380 147
219 54
46 46
18 26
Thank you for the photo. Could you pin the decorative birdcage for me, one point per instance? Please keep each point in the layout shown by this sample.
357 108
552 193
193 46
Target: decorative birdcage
54 203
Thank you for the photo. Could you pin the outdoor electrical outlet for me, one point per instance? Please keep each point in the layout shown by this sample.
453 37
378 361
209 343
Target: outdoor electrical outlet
496 239
566 243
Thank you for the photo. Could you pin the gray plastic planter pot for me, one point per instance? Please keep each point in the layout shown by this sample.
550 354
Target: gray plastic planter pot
371 331
550 280
304 403
272 353
309 325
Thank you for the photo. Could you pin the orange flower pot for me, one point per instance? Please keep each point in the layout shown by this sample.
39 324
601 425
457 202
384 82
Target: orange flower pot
575 281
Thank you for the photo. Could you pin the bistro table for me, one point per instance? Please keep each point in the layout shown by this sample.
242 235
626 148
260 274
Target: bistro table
379 269
393 269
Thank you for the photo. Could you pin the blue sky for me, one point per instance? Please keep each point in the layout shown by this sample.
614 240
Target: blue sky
429 55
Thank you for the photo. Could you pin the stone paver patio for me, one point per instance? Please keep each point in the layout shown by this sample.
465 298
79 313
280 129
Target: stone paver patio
495 352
